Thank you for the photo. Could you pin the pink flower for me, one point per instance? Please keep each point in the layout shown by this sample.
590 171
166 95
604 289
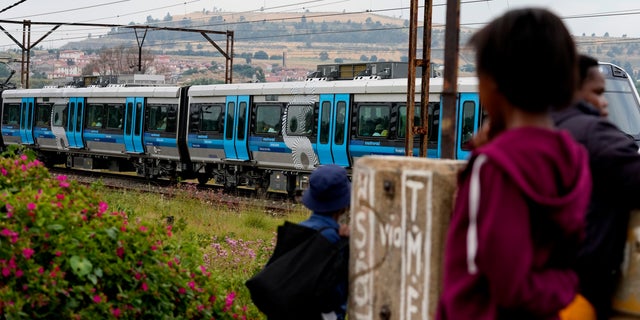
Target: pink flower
192 285
97 299
145 287
6 272
120 252
115 312
64 184
4 171
200 307
27 253
58 253
138 276
102 207
19 273
143 229
41 270
60 196
153 247
182 291
229 301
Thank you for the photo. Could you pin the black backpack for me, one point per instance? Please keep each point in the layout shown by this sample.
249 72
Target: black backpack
300 279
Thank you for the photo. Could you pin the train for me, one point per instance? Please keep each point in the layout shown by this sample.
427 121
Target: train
265 137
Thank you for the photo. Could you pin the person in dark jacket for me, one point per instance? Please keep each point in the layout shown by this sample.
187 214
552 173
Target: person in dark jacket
592 84
329 199
615 168
519 213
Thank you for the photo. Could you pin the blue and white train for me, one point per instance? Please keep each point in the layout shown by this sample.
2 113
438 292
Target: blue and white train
259 136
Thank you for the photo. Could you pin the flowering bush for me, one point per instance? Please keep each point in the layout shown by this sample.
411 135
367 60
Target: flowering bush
63 254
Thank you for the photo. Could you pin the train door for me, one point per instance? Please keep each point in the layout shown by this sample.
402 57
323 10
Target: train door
236 128
75 116
325 128
468 122
338 129
133 125
26 120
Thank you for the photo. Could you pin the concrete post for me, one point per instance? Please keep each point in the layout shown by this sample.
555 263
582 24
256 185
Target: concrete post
400 212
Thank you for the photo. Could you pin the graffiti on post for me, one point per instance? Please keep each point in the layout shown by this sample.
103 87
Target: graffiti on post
382 242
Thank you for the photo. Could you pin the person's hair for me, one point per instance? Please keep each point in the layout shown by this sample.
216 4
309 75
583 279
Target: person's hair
584 64
532 58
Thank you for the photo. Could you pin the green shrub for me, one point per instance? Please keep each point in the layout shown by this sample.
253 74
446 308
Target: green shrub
64 254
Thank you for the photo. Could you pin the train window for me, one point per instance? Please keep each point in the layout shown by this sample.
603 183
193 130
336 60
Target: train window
211 118
620 96
341 114
60 115
138 126
95 116
325 118
129 118
11 115
43 115
157 117
468 120
268 119
242 118
373 120
300 120
71 115
229 124
433 122
115 115
402 121
79 116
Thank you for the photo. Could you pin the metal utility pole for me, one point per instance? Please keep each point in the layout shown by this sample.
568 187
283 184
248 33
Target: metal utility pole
450 86
26 44
425 63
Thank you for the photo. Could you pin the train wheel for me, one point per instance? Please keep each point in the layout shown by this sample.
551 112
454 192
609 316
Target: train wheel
203 178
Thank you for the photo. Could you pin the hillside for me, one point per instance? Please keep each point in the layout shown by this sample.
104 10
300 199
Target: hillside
297 40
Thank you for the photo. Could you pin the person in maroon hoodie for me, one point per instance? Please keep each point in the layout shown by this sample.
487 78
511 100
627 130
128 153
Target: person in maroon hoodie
519 214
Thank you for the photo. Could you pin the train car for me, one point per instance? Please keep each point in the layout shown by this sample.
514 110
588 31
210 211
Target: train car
272 135
115 128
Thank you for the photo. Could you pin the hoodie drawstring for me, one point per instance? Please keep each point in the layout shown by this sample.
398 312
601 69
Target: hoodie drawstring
474 203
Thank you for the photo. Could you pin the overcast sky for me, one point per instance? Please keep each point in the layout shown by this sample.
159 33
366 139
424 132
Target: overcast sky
617 17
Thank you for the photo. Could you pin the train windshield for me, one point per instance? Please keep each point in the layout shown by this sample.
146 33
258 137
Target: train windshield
624 107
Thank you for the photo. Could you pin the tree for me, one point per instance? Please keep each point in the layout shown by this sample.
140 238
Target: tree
121 60
373 58
324 56
364 58
261 55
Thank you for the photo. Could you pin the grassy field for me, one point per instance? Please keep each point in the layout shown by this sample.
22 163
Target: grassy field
235 241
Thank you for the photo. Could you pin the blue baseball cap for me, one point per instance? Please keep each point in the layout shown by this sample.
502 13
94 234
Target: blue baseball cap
329 189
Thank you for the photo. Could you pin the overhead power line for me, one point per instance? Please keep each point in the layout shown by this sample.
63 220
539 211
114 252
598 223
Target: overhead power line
11 6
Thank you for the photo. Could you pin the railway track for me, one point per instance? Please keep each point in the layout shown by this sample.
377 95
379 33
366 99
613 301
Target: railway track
272 204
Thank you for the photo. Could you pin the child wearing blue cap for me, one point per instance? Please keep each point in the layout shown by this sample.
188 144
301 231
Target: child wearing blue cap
329 198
